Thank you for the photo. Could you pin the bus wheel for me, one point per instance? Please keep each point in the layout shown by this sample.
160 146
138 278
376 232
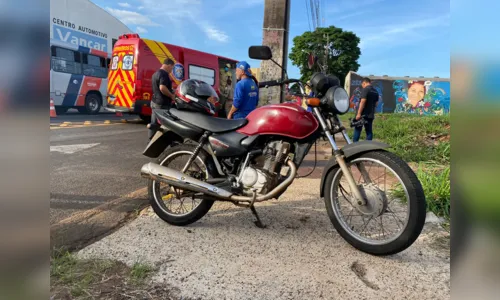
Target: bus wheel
92 104
60 110
145 119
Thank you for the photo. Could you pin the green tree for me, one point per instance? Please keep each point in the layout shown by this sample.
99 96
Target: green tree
343 51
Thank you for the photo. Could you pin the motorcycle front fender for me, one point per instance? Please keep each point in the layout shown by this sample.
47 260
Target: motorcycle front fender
350 150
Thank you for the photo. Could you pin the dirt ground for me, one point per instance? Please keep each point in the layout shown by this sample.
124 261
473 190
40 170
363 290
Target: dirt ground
298 255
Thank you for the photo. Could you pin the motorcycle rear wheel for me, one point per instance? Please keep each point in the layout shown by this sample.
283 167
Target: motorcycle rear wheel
157 200
411 189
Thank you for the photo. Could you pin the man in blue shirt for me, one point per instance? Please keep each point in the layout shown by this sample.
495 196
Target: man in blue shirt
246 93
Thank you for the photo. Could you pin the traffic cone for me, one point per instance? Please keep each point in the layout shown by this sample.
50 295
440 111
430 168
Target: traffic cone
52 109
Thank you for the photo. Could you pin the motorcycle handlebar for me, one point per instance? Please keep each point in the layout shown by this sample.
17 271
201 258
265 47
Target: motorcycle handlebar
276 82
269 83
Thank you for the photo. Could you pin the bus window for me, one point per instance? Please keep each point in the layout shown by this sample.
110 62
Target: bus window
66 61
94 66
203 74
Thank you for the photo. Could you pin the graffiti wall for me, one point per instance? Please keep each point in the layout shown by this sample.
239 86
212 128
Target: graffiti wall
355 95
415 96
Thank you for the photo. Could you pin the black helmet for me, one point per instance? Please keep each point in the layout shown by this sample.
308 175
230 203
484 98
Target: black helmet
196 95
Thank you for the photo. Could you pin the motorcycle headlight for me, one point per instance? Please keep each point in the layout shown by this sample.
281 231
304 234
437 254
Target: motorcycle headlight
337 100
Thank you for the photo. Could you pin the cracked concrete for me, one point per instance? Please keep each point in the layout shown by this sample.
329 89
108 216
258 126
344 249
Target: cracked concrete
299 255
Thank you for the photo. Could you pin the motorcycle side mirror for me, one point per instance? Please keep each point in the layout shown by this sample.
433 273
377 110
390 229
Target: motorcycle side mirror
260 52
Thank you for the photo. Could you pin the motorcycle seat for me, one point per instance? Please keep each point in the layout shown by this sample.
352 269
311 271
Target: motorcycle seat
212 124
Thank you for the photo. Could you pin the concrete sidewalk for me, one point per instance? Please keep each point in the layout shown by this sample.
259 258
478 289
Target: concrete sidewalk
298 256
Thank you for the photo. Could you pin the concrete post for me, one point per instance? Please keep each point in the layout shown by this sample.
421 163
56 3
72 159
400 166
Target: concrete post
275 35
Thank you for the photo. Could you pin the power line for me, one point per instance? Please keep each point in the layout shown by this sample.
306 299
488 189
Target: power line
318 16
307 13
323 21
313 13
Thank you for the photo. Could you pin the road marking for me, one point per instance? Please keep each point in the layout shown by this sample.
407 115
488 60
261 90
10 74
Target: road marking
70 149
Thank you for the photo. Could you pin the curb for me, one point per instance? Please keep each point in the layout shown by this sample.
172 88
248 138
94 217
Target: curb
84 228
89 123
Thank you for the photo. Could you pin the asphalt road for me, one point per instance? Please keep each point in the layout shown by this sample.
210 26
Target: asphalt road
93 164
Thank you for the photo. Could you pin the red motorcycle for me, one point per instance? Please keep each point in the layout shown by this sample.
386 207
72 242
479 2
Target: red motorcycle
256 159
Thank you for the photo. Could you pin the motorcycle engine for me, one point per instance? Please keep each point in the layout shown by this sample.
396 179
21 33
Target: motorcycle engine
263 174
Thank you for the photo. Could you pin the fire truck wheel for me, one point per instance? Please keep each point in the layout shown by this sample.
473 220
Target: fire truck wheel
145 119
92 104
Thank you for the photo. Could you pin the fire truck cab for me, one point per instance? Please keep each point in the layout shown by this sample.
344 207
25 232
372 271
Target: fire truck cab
134 60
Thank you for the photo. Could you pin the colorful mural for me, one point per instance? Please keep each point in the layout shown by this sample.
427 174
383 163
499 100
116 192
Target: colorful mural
416 96
422 97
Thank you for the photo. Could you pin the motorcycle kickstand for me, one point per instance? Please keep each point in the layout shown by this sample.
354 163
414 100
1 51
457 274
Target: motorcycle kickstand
258 222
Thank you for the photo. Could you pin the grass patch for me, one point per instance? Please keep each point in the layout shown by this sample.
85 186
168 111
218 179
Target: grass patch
73 278
435 180
423 141
436 184
414 138
140 272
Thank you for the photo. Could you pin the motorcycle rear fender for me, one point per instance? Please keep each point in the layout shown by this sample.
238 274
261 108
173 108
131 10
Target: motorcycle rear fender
351 150
160 141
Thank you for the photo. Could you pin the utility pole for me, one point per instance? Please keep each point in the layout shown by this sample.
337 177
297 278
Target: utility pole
327 48
275 35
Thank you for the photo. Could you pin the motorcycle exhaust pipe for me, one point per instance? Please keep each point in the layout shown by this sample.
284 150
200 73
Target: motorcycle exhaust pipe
180 180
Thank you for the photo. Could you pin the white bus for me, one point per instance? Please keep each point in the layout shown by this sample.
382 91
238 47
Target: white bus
82 36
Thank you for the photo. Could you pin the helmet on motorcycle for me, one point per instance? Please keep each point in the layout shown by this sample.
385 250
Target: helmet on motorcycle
196 95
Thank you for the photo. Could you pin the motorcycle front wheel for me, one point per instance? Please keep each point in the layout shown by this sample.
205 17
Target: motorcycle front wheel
394 214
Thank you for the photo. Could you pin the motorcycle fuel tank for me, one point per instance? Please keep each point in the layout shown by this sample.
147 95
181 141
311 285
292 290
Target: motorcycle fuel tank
286 119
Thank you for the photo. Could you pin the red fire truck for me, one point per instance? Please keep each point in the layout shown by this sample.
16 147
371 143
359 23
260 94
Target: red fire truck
134 61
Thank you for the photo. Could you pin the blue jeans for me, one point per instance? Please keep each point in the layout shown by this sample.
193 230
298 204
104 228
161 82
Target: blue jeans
154 120
368 129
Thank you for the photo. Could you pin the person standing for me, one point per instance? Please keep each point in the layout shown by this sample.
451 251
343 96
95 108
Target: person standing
310 94
221 105
246 92
366 110
162 92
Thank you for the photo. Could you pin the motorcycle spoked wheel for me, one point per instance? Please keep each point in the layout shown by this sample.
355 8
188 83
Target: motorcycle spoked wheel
415 201
158 199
